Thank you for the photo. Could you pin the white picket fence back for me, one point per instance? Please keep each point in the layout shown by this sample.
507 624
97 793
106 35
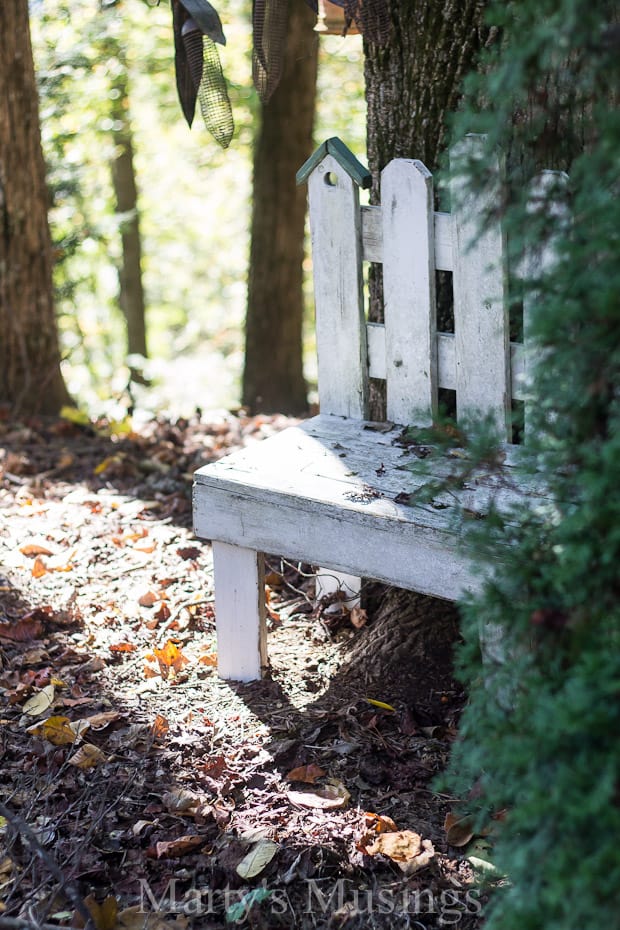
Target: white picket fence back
412 241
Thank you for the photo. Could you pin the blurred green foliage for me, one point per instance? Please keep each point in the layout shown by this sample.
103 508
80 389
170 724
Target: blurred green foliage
193 197
539 744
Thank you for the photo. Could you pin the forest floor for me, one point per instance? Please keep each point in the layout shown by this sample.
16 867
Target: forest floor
138 788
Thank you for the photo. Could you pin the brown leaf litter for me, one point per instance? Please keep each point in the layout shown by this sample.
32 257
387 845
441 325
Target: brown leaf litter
153 794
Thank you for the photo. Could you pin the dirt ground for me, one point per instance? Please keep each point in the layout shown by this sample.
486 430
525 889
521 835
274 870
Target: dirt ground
139 790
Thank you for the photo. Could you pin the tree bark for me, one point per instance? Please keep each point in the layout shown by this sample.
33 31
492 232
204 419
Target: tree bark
30 376
131 291
405 654
412 84
273 375
415 81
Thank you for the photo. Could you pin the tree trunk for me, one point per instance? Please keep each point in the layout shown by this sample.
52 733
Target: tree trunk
405 654
131 291
415 81
412 84
30 376
273 376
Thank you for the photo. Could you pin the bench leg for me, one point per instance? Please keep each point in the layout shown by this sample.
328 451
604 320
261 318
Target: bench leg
494 657
328 582
239 612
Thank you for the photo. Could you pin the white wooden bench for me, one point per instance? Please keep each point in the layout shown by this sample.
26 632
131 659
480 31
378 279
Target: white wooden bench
334 490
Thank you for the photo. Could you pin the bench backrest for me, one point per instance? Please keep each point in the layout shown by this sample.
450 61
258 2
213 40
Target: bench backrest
412 241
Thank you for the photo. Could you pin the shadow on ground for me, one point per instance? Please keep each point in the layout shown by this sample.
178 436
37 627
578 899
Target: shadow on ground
188 778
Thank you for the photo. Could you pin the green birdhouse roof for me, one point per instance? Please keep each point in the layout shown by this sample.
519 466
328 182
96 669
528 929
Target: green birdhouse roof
345 158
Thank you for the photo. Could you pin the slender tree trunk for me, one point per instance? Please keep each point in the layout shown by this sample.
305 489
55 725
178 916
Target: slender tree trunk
273 375
30 376
131 291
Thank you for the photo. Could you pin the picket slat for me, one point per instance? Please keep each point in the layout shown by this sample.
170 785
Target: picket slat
409 292
543 198
481 323
335 226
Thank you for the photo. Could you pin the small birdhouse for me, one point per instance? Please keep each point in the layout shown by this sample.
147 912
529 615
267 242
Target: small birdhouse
332 21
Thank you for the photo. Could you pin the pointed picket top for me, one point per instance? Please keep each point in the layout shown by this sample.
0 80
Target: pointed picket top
345 158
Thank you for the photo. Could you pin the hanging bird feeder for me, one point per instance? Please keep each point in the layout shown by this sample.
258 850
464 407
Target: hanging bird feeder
332 20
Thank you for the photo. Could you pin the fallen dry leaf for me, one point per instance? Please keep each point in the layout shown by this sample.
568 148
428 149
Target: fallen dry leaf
214 767
188 552
58 730
379 823
163 613
172 849
17 695
208 658
141 825
104 915
30 550
459 830
306 773
95 664
74 702
169 657
257 859
39 568
375 824
123 647
160 727
102 720
182 801
327 797
22 631
147 548
410 852
34 656
40 702
148 599
87 757
358 617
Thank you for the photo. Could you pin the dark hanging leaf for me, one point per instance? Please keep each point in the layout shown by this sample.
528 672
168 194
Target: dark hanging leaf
213 96
206 18
192 42
186 87
269 19
198 69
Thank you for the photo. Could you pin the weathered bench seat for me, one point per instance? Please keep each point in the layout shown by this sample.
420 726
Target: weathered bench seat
332 491
336 491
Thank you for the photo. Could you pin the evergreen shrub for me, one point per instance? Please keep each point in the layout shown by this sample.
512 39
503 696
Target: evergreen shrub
542 742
